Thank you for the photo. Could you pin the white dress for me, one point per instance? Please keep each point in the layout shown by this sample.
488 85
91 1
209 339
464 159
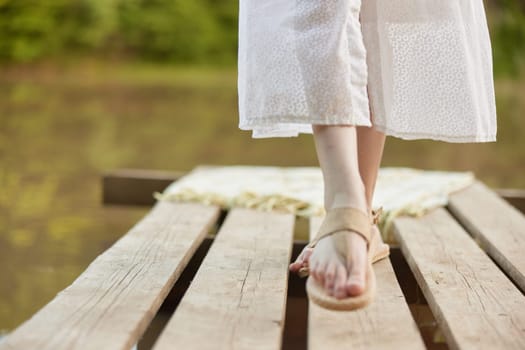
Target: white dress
410 68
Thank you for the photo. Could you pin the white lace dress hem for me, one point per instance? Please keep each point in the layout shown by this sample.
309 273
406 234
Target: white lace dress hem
416 69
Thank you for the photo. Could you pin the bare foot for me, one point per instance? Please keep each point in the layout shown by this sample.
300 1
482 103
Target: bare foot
341 276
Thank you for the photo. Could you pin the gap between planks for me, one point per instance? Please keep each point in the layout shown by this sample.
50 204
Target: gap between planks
496 225
475 304
237 299
112 302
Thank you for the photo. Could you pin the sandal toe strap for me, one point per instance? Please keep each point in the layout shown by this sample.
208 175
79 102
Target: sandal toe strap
349 218
338 219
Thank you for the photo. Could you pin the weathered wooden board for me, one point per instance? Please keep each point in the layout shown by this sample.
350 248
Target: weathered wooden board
237 299
384 324
497 225
475 304
514 196
112 302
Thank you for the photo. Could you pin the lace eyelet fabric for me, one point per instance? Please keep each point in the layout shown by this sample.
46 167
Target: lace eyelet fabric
413 69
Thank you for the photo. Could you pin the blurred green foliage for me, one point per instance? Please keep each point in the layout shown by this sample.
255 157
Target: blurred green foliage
158 30
508 38
178 30
32 29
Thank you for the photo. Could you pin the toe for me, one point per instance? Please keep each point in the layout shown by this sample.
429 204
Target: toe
340 282
329 277
357 263
296 265
318 272
307 252
355 283
301 260
314 269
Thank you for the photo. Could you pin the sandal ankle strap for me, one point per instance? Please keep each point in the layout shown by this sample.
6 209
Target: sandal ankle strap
376 213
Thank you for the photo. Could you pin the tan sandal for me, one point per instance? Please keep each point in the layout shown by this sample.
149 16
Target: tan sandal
353 219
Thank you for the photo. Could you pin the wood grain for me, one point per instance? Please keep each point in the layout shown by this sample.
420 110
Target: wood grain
475 304
237 299
497 225
384 324
111 303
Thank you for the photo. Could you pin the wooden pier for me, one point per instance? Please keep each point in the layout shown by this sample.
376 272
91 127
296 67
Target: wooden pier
456 281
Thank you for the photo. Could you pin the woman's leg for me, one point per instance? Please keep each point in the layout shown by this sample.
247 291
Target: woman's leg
370 145
349 157
336 148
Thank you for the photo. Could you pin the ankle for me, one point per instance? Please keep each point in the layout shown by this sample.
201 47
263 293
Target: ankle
350 190
347 199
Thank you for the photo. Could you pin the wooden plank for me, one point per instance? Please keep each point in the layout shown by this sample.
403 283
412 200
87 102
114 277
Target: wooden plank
475 304
237 299
135 186
295 283
515 197
111 303
384 324
497 225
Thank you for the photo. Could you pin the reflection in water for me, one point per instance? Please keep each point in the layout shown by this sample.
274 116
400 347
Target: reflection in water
60 129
